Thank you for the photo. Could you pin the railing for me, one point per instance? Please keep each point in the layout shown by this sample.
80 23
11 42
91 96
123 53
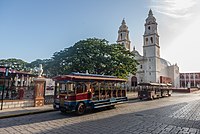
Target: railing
18 93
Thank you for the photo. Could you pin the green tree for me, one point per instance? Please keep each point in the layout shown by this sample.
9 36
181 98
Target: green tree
16 64
121 62
96 56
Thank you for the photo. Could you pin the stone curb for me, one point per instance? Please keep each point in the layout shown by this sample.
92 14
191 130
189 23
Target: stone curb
26 113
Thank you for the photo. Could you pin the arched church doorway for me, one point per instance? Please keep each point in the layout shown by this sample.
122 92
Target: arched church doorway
134 81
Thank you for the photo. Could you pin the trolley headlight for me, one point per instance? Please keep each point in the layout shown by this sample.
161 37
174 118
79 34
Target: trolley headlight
65 97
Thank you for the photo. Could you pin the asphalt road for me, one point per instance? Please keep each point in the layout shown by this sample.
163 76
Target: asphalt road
178 114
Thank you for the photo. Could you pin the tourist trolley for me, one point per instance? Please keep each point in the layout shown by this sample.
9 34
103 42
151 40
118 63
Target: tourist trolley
78 92
154 90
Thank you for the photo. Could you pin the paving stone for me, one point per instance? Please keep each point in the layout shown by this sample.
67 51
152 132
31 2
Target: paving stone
163 116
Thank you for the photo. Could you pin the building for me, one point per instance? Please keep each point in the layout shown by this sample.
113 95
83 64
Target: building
190 80
151 68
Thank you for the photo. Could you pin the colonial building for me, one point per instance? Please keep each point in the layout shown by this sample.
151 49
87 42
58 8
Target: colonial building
151 68
190 80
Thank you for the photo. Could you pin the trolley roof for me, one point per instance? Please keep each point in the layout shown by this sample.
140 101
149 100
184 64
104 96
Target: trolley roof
86 77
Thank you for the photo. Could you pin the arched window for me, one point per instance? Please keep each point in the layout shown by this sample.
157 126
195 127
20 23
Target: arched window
151 39
146 41
134 81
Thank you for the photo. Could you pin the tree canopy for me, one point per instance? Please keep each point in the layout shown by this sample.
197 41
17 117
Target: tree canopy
97 57
94 55
17 64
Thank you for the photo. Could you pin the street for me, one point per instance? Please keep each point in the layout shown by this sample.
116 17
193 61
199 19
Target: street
178 114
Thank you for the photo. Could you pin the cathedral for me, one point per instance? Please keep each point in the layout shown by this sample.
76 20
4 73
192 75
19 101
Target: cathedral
151 68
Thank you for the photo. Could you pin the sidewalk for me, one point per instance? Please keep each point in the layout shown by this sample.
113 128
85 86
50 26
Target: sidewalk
7 113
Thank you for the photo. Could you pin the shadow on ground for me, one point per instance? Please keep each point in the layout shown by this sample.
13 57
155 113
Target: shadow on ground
119 123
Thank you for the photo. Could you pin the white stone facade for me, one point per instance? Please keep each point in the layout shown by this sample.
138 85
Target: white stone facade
152 68
123 35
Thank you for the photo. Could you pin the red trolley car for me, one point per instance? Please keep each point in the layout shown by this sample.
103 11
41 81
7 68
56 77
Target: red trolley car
78 92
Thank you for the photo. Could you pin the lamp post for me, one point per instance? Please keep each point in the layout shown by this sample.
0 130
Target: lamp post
2 96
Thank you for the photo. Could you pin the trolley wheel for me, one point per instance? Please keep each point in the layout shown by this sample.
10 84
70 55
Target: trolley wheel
63 111
111 107
80 110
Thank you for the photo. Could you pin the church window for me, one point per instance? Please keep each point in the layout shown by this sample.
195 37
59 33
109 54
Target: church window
121 36
146 40
140 66
149 27
149 73
151 39
149 67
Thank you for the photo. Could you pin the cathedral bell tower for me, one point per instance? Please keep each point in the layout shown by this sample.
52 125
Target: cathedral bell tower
151 46
151 49
123 35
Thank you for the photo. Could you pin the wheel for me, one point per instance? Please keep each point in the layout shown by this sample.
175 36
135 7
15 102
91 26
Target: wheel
63 111
111 107
80 109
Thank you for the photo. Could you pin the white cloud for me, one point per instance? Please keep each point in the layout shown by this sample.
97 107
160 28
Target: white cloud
179 31
185 49
174 8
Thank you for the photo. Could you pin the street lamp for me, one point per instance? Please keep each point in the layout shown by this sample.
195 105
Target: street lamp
6 74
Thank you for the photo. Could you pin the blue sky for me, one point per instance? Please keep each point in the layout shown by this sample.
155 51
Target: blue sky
35 29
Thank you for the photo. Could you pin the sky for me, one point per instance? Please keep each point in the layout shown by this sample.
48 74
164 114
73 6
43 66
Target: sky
36 29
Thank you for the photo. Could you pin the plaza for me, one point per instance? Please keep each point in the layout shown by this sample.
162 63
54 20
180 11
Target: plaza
178 114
